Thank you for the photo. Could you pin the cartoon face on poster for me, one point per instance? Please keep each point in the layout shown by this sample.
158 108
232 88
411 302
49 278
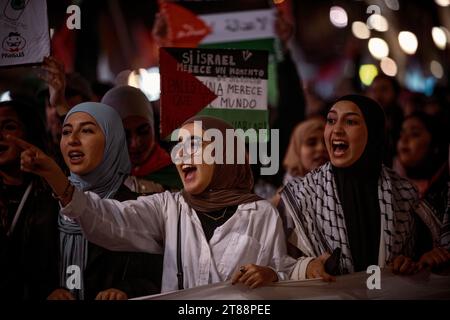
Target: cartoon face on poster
14 42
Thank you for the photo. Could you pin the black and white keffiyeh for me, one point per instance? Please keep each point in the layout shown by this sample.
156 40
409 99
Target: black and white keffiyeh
314 206
437 222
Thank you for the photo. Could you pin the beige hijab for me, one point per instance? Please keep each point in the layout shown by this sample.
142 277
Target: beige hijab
231 184
130 101
292 162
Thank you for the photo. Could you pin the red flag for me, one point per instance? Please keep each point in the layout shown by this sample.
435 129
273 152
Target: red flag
185 29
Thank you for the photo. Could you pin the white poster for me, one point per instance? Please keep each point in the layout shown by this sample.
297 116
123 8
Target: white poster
24 33
421 286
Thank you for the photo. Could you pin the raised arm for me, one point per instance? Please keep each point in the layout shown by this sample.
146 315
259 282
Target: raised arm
56 79
34 160
136 225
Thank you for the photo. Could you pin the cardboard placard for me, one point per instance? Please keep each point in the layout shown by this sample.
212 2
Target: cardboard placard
226 83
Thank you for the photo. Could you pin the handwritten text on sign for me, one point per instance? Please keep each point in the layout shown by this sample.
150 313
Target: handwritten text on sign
229 84
237 77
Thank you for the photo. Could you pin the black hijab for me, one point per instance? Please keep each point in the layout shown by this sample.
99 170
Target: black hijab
357 187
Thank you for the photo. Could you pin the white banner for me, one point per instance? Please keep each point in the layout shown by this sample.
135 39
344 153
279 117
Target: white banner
240 26
353 286
24 33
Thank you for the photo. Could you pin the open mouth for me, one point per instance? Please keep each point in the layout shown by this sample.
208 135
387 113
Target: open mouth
76 157
189 171
339 147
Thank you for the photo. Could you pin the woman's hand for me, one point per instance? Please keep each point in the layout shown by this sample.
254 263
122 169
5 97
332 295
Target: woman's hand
61 294
254 276
435 258
111 294
316 269
34 160
404 265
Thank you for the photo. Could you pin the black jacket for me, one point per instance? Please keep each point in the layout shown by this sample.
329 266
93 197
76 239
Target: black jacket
29 256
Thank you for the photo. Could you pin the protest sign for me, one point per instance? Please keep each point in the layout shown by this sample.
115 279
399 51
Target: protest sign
237 25
226 83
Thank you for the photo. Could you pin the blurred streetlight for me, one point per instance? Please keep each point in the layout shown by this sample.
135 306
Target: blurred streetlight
5 96
378 22
148 80
392 4
378 48
408 42
439 37
360 30
338 17
442 3
436 69
367 72
388 66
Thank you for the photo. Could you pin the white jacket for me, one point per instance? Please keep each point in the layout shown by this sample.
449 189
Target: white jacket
254 234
